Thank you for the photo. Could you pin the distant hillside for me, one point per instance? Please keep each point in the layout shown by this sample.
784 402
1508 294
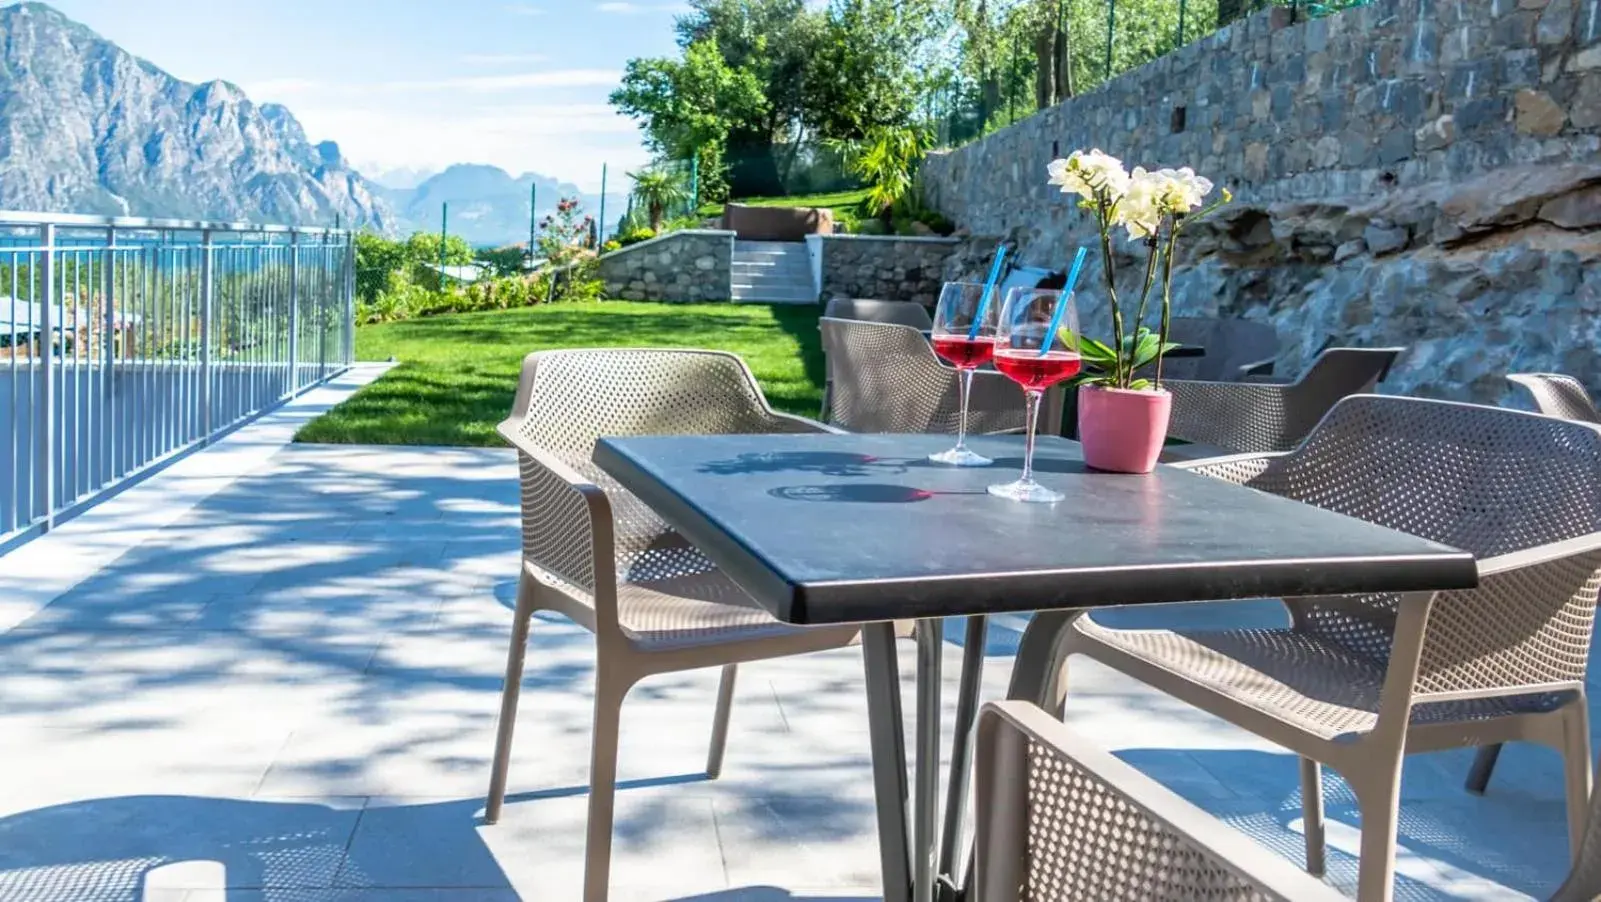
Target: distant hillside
487 205
86 127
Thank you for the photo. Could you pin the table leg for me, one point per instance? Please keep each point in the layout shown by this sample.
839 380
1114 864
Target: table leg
925 807
888 740
1039 658
961 753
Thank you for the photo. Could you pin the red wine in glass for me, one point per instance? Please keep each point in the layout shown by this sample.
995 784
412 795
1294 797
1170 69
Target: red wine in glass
1035 373
963 352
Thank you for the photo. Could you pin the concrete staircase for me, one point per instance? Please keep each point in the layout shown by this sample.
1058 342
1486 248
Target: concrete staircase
772 272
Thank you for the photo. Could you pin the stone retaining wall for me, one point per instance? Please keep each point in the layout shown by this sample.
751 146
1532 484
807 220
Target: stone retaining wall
1410 172
689 265
882 267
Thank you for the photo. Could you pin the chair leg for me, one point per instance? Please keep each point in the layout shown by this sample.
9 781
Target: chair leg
1483 765
1576 770
1378 799
527 596
725 702
609 695
1312 817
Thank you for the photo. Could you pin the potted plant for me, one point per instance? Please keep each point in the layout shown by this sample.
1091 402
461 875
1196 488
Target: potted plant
1122 414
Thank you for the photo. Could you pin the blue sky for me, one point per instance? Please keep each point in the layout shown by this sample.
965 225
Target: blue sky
414 84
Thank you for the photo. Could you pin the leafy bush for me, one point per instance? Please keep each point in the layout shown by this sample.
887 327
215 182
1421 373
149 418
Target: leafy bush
635 236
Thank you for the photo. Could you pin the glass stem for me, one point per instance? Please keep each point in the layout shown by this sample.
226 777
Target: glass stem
965 391
1031 415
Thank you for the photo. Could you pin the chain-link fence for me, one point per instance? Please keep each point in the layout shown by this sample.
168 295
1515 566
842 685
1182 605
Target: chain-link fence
1091 42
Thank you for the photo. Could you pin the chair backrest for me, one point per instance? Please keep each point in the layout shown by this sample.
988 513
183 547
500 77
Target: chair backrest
1483 479
1230 345
1556 395
904 313
1058 818
885 378
566 400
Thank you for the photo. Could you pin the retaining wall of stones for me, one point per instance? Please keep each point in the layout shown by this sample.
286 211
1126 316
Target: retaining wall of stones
689 265
1412 172
881 267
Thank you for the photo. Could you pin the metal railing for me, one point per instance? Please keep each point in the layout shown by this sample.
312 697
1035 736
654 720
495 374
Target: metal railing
126 341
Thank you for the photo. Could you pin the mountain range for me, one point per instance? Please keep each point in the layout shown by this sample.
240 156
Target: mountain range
486 204
86 127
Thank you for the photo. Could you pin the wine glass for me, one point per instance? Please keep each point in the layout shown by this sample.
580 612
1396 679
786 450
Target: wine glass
1036 346
964 335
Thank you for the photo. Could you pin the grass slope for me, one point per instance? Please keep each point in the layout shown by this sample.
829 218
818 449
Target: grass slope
457 373
836 200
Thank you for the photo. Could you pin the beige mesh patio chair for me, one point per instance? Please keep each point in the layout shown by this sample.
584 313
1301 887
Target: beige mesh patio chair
1556 395
905 313
887 379
1219 418
1235 349
595 553
1059 819
1357 682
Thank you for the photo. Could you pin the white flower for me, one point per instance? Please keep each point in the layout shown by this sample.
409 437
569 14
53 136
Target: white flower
1090 174
1182 191
1142 207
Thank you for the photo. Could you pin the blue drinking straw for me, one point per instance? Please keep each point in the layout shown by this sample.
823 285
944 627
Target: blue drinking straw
989 290
1061 303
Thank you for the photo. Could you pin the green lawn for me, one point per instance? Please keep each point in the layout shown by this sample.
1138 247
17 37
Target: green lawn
831 201
457 374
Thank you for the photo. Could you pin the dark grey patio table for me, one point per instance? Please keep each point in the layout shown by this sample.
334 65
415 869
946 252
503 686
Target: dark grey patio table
827 529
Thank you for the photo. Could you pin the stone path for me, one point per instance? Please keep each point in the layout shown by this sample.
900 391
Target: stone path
270 674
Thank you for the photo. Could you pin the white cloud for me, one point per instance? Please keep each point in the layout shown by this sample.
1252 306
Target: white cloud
501 59
568 141
628 8
550 78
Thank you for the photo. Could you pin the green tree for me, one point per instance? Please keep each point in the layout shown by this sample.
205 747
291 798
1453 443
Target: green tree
871 67
657 190
886 160
689 106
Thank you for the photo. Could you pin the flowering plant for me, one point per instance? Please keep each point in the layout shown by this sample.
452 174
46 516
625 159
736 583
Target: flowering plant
1153 207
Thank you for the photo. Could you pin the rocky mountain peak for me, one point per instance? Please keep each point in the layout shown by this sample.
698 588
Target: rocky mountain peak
86 127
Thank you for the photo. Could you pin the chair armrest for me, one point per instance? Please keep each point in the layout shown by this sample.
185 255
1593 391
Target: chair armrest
1034 777
1524 629
1258 368
791 424
1236 468
1540 554
561 508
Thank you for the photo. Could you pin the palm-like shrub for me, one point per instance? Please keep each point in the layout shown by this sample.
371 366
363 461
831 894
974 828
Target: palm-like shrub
657 190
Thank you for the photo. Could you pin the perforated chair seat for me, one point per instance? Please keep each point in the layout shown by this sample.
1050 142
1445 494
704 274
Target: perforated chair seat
1315 685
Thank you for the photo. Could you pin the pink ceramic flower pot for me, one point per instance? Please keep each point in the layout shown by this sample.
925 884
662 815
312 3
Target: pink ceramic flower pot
1121 429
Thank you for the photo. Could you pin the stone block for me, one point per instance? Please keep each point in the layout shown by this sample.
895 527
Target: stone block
1556 22
1576 210
1585 110
1520 68
1538 114
1586 59
1382 238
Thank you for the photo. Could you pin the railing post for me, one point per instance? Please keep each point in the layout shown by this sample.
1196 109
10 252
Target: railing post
294 312
108 354
350 299
45 413
206 287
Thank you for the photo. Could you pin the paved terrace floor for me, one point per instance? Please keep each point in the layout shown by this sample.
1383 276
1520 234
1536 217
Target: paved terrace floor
270 674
